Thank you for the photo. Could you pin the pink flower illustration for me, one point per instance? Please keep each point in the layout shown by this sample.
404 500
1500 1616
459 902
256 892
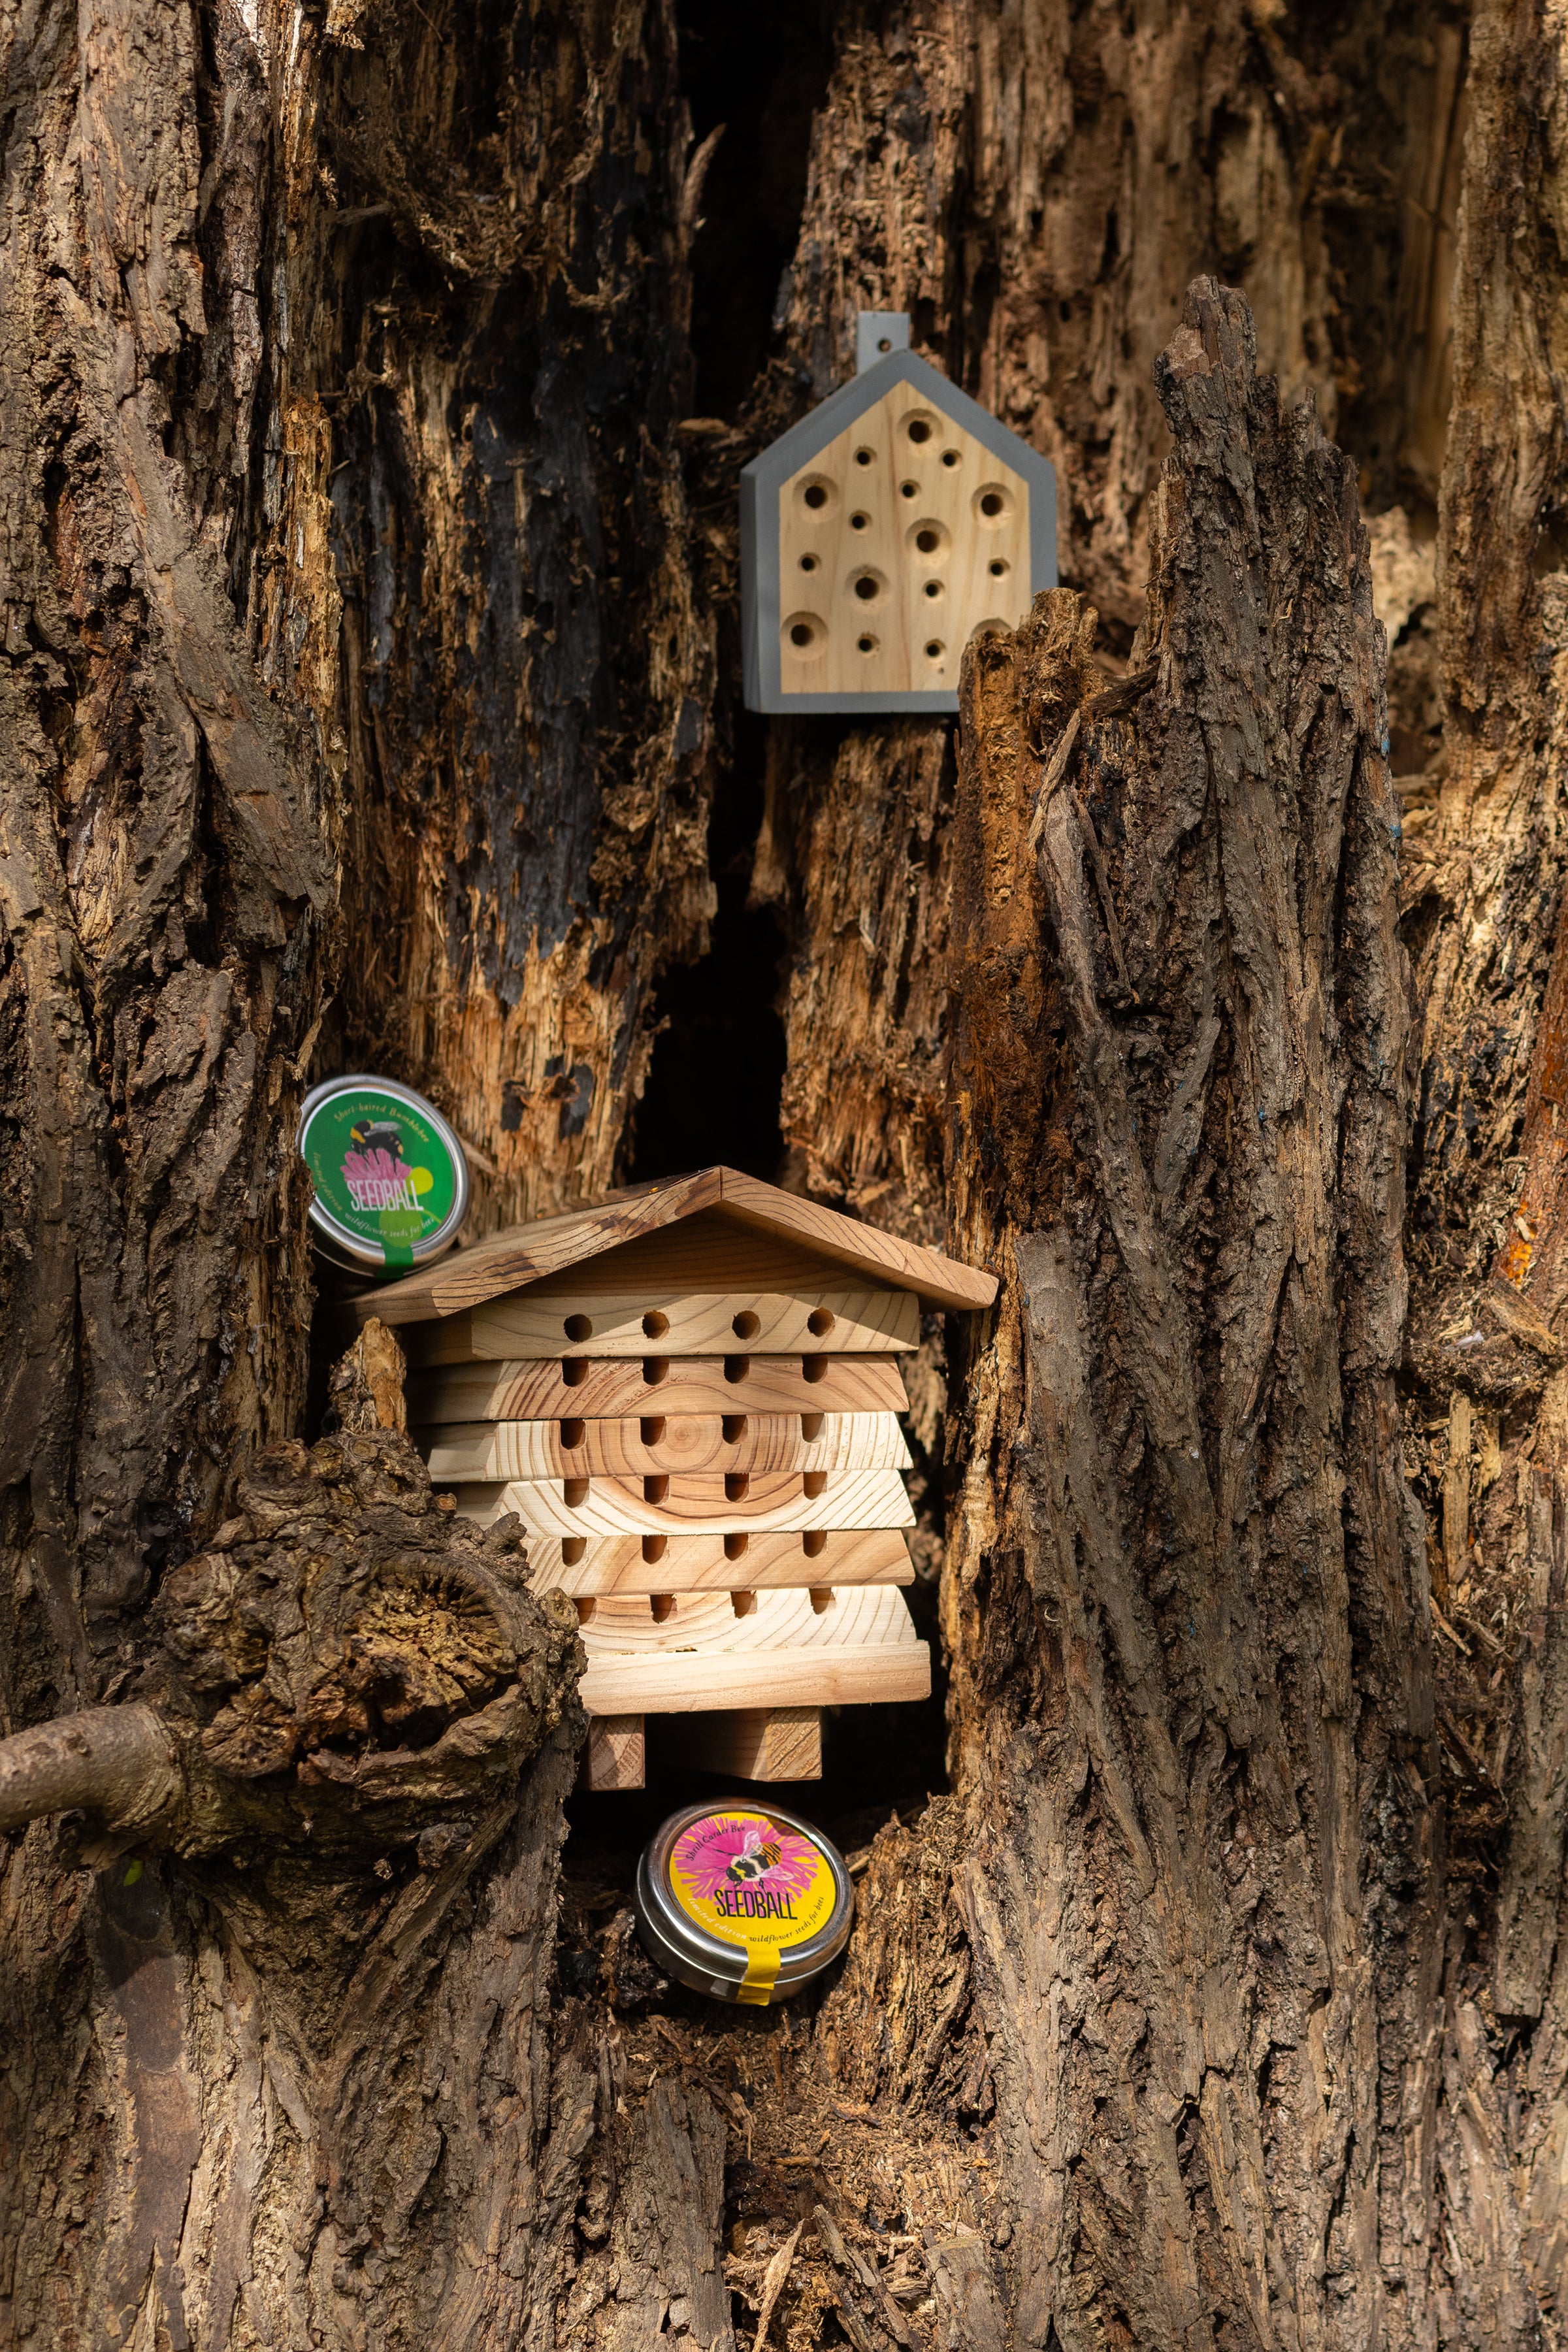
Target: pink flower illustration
719 1850
362 1167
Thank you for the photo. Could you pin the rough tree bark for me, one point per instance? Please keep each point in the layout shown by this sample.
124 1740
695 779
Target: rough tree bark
370 607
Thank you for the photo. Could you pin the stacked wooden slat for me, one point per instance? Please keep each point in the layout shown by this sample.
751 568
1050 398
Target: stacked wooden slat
697 1426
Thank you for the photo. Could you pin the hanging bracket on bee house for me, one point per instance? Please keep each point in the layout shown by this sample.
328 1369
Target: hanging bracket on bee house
880 533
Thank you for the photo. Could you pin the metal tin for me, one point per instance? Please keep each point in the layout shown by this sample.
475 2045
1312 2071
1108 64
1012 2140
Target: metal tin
743 1900
391 1181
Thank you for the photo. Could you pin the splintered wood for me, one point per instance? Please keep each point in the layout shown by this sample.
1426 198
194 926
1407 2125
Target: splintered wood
690 1399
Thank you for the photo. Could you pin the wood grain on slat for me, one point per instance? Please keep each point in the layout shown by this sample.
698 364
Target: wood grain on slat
817 1678
549 1246
623 1390
524 1327
777 1621
760 1743
480 1449
774 1501
614 1754
773 1562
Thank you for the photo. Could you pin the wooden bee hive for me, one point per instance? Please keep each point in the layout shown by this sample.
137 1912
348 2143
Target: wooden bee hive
689 1395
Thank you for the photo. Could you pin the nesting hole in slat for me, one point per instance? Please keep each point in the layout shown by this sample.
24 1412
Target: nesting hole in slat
576 1492
746 1325
572 1433
585 1612
814 1543
735 1547
737 1485
653 1549
820 1322
574 1548
574 1370
655 1324
661 1605
811 1426
736 1369
655 1487
578 1326
814 1368
655 1369
745 1604
734 1428
650 1429
821 1598
813 1481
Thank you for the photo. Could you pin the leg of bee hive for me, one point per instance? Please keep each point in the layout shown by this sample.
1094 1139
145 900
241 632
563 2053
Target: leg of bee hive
614 1754
757 1743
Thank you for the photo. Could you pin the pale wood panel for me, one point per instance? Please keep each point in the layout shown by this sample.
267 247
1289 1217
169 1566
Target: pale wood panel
869 1677
777 1621
865 528
759 1743
709 1251
614 1754
773 1562
474 1450
830 1322
621 1388
550 1245
776 1501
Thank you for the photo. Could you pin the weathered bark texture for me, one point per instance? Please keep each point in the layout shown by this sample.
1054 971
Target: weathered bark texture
1187 1590
369 675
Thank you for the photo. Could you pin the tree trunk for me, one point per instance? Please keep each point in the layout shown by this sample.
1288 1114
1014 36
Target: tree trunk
371 679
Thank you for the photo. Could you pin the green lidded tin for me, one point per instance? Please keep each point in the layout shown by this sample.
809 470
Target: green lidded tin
391 1181
743 1901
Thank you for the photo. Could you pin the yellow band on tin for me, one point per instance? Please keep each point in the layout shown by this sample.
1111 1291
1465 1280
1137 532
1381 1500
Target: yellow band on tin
762 1974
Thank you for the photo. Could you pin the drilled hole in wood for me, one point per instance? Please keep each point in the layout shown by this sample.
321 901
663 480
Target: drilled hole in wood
572 1550
864 456
655 1487
859 522
653 1547
650 1429
996 567
735 1547
578 1326
574 1370
933 588
935 650
746 1325
736 1369
815 1481
572 1433
811 1426
990 504
822 1597
866 644
586 1612
801 633
576 1492
737 1485
866 586
814 1368
950 456
808 562
908 489
816 496
918 429
734 1428
661 1605
814 1543
655 1324
745 1604
655 1369
928 541
820 1322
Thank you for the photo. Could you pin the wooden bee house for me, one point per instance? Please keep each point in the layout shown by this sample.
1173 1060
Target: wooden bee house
689 1395
880 533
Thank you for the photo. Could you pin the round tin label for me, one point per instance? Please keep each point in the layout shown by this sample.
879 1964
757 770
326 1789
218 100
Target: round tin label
749 1881
381 1169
